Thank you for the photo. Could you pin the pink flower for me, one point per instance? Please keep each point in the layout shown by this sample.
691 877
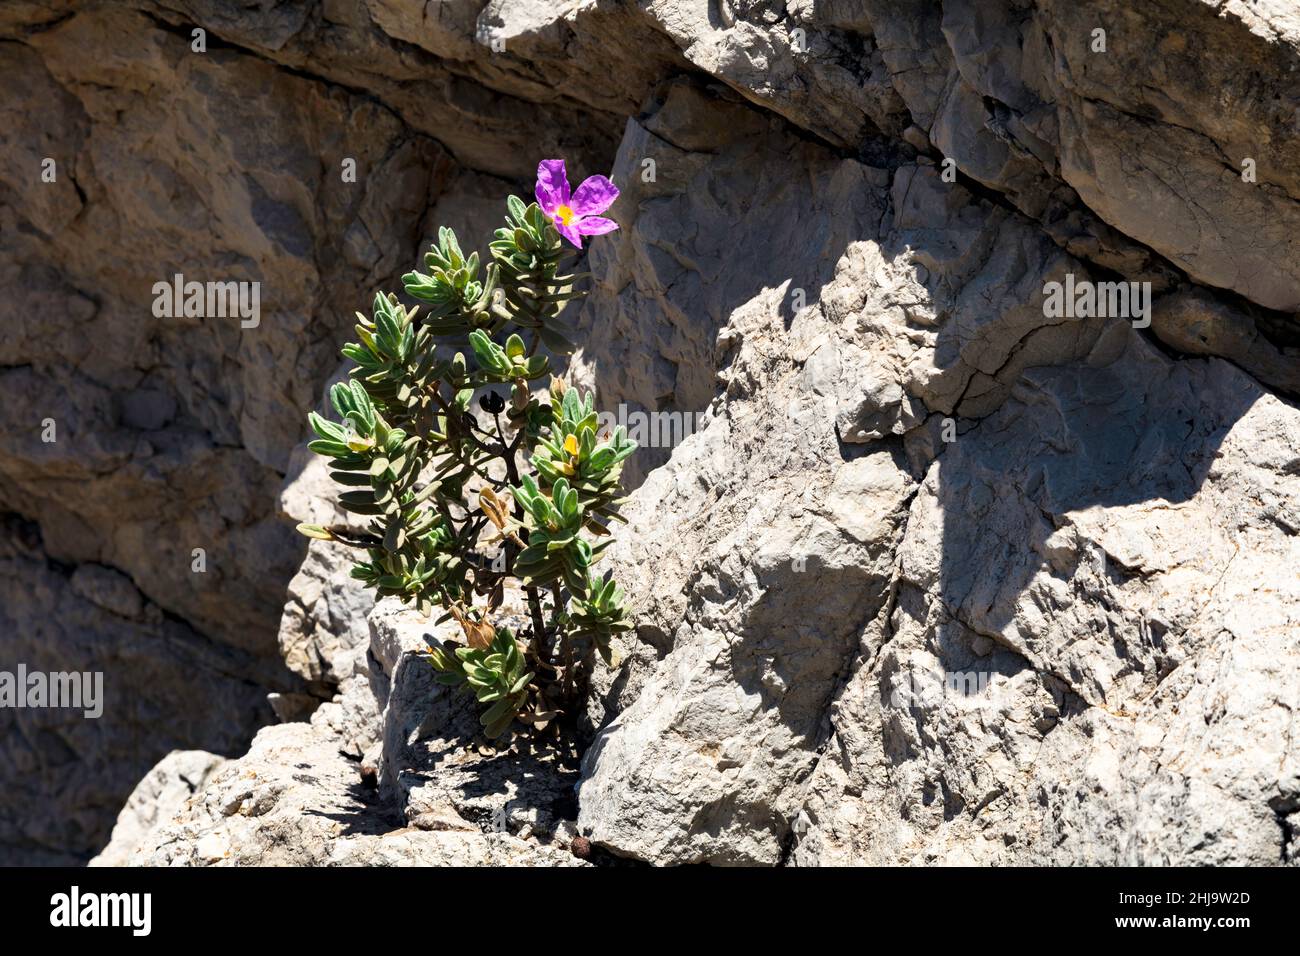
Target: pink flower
574 215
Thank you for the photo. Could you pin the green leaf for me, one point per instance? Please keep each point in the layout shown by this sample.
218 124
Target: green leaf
495 730
331 449
520 684
326 429
502 708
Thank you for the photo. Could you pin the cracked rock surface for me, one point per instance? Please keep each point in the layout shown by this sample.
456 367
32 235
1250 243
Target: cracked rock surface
922 574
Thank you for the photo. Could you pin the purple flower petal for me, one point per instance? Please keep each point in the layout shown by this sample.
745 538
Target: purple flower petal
595 195
569 232
552 185
595 225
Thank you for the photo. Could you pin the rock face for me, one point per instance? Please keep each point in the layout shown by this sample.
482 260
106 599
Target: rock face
1100 524
1086 611
389 773
159 797
164 687
923 570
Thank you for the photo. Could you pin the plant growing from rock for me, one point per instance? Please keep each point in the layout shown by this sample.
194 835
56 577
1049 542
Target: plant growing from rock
472 472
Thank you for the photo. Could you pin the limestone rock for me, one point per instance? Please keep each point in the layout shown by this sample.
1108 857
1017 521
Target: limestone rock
1073 126
65 772
391 772
729 748
758 600
1197 324
435 764
148 447
160 796
870 456
1085 616
293 800
325 615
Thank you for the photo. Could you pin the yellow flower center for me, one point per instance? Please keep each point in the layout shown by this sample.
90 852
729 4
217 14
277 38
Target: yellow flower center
565 214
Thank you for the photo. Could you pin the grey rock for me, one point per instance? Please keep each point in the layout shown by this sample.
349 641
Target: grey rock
436 766
309 794
1024 103
1198 324
324 617
776 713
109 589
354 716
293 800
1116 562
869 454
159 797
291 706
755 601
65 773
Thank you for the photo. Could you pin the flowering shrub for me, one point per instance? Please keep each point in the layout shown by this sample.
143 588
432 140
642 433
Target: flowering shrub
463 497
